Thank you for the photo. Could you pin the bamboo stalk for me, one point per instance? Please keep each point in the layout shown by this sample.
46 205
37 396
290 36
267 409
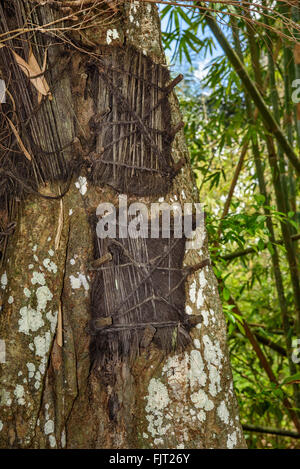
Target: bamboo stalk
267 117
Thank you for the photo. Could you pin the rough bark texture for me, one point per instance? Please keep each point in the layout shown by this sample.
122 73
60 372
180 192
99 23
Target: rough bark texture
49 398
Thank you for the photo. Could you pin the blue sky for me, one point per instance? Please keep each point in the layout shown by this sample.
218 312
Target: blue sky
201 62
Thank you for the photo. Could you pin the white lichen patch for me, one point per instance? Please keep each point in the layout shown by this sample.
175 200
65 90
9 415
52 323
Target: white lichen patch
37 384
42 366
50 266
215 380
212 352
212 314
30 267
192 291
1 425
81 185
231 440
27 292
200 298
52 318
49 427
43 295
78 282
51 252
31 320
197 343
52 441
158 397
202 279
111 34
10 300
42 344
20 393
31 370
201 400
70 212
188 310
197 374
38 278
223 413
205 315
201 416
157 402
3 280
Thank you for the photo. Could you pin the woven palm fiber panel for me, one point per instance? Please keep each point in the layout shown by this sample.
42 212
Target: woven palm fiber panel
134 136
137 297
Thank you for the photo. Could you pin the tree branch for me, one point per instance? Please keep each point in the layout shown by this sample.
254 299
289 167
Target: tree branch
244 252
270 431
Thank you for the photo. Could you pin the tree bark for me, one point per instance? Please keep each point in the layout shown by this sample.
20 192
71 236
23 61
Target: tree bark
49 396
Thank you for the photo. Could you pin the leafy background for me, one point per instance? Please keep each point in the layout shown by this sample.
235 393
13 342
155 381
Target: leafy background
242 213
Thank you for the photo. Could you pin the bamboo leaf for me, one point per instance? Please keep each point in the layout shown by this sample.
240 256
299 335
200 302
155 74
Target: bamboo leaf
33 71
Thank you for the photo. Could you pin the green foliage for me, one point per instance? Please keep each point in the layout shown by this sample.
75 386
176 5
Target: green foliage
217 125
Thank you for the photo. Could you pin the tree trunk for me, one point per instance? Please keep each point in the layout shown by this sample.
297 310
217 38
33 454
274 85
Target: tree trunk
50 395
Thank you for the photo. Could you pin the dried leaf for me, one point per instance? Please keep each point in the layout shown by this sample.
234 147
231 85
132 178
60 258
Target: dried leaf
33 71
60 225
20 143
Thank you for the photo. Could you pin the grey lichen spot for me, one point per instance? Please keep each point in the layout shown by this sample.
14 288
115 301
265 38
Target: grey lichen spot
43 295
81 185
52 318
158 400
223 413
31 370
231 440
20 393
201 400
3 281
31 320
80 281
49 427
52 441
27 292
38 277
50 266
42 344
